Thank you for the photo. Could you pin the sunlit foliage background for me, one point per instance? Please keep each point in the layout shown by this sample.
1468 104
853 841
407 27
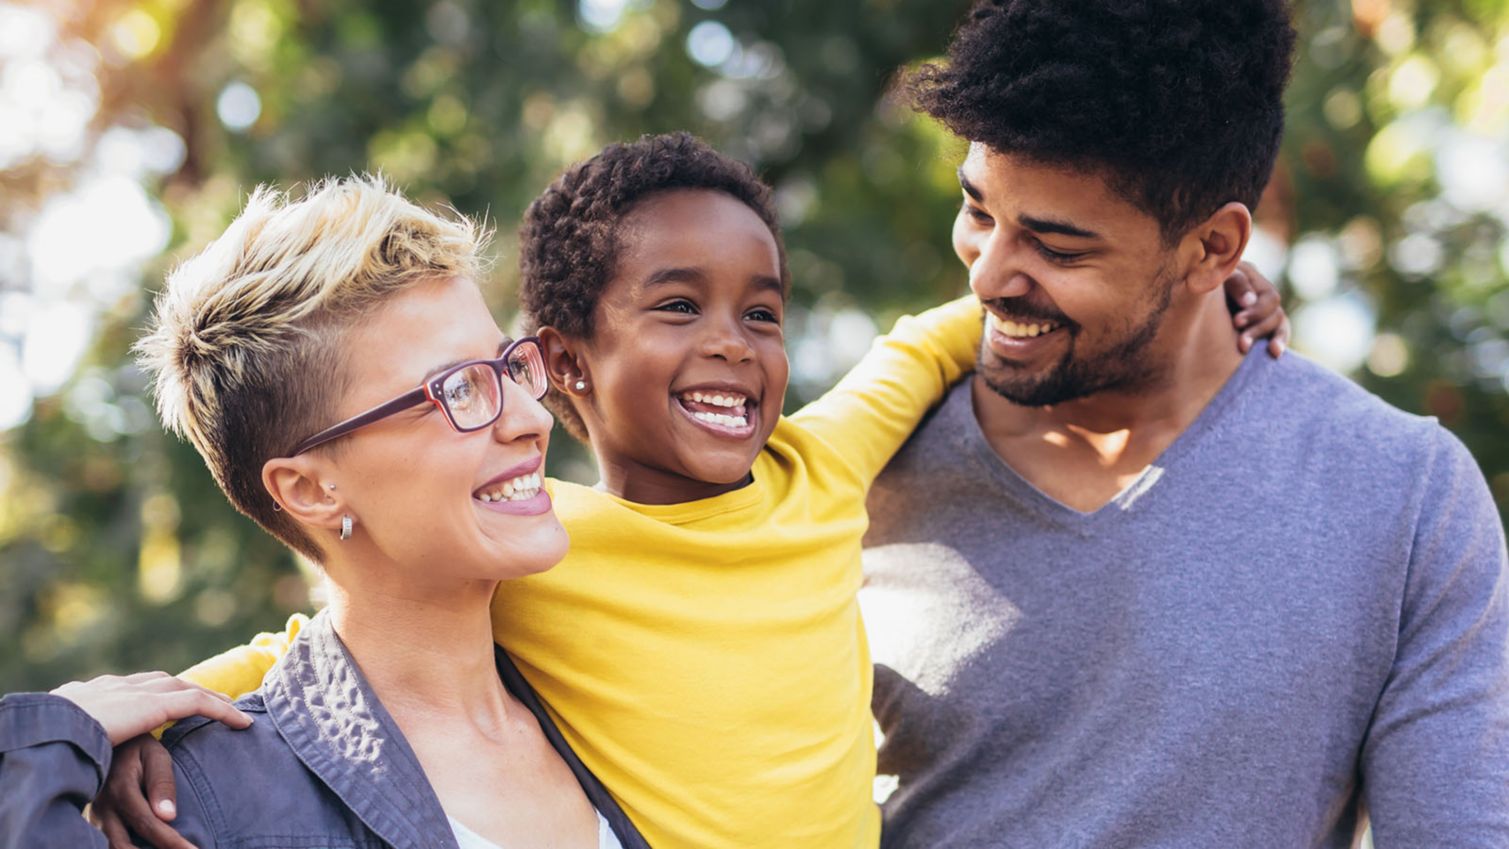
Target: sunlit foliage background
131 131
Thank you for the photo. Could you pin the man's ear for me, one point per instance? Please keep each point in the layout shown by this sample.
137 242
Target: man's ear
298 485
1218 245
567 369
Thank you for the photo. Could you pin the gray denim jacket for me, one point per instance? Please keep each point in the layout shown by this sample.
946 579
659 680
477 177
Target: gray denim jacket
323 767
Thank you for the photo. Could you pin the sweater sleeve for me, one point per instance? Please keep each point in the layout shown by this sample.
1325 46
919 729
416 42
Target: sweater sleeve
1435 764
872 411
53 760
237 672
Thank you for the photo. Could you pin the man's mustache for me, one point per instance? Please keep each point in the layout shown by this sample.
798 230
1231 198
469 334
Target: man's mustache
1024 308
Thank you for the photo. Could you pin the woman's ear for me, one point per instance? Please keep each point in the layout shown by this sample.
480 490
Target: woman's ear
298 485
567 369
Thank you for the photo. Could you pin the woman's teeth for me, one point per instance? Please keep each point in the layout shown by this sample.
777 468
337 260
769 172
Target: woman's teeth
518 489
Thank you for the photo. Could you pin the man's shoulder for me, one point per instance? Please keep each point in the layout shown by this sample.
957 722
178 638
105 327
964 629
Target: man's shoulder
1326 435
951 421
1328 409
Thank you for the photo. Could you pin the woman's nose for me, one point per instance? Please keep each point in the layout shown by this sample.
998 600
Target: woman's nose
523 417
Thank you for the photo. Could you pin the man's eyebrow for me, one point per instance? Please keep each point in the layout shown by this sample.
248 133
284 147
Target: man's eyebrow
1051 225
969 188
430 375
1032 222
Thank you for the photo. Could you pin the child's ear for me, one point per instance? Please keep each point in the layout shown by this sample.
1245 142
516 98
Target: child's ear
298 486
567 369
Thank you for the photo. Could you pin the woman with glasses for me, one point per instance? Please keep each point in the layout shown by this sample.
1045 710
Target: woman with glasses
333 361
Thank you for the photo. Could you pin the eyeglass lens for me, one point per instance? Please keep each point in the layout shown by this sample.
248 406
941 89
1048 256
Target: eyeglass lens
473 394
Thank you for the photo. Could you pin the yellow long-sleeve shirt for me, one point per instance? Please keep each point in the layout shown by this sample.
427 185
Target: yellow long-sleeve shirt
707 660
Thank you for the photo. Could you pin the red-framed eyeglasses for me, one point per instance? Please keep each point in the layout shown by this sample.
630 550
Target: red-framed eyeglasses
470 394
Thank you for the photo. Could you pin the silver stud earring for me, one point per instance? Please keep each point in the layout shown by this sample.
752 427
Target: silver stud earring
580 385
346 526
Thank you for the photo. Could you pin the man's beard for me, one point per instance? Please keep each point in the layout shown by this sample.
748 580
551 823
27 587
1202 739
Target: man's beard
1124 366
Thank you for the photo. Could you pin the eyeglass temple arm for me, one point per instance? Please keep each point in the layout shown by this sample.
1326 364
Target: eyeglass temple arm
399 404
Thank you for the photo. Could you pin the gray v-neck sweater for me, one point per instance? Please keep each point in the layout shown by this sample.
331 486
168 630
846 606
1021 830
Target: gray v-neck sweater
1301 611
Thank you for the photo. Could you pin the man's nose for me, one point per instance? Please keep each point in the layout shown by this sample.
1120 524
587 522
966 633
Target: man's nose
996 272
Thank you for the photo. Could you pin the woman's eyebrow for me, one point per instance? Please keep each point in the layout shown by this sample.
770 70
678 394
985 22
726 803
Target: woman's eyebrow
502 346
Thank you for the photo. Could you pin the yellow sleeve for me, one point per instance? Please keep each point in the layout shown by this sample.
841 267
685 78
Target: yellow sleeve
878 404
239 671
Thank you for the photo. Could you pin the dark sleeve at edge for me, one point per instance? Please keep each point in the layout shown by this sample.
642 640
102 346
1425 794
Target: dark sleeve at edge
53 760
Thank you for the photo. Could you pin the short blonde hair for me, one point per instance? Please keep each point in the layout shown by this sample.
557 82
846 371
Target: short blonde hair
244 349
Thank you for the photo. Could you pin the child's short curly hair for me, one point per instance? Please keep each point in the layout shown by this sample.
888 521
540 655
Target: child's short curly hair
569 243
1178 102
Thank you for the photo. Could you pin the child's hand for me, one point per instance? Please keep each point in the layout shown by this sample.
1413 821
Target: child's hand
139 796
129 707
1257 312
133 705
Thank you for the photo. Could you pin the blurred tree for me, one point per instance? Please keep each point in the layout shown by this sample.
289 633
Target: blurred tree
135 129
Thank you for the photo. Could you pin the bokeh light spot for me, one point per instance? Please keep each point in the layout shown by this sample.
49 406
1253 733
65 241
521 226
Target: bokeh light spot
1390 355
136 34
1337 331
238 106
602 16
1313 268
710 44
15 390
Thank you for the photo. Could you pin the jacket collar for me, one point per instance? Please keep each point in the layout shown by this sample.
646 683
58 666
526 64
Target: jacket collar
323 708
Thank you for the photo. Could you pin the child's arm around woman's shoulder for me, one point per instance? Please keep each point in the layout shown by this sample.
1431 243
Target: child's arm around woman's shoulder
876 406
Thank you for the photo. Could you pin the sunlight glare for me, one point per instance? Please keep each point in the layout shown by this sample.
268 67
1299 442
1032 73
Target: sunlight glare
108 224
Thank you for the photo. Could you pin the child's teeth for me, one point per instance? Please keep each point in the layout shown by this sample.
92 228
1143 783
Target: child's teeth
720 419
717 400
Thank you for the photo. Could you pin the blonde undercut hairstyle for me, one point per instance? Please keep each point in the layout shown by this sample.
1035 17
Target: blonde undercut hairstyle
245 347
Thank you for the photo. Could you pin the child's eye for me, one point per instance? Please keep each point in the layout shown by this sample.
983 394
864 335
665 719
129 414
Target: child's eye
763 314
680 305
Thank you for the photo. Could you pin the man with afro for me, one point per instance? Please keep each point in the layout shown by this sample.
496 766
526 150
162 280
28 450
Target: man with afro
1128 587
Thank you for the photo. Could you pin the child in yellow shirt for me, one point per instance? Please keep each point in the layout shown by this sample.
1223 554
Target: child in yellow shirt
700 646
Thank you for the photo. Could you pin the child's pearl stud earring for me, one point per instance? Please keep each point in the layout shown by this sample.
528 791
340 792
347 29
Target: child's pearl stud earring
580 385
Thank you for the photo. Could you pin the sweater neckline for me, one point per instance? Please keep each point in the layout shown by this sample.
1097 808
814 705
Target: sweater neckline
1053 510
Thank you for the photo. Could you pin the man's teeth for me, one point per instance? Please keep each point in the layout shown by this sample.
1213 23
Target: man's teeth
1021 330
518 489
717 399
719 419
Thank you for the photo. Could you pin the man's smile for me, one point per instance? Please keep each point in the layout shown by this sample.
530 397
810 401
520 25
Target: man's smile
1017 338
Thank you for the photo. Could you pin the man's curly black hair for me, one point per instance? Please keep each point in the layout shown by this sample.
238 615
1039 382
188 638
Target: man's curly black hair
569 241
1179 103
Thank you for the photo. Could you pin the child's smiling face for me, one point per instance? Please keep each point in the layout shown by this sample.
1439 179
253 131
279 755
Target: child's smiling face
687 361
